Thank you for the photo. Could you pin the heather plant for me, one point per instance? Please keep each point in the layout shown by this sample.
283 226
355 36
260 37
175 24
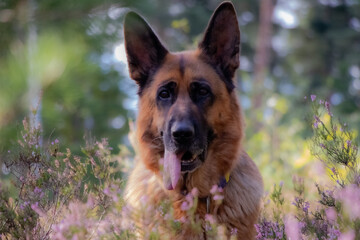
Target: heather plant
335 215
47 180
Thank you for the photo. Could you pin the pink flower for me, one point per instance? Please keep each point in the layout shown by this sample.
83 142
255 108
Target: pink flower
214 189
292 229
57 164
195 192
107 191
331 214
313 97
350 195
37 209
350 235
218 197
185 206
188 203
210 218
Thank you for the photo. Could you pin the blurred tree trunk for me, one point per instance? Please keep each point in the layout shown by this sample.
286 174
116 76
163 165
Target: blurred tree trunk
262 54
34 84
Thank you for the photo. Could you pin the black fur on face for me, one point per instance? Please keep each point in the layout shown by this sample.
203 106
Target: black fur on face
185 129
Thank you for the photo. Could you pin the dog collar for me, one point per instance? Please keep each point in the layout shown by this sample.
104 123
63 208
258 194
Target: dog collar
223 181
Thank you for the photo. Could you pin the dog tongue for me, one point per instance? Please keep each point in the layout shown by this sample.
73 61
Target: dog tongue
172 169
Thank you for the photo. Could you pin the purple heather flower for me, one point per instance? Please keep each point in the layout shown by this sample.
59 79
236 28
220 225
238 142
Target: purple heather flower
313 97
107 191
185 206
233 231
281 183
348 142
306 207
56 141
296 201
37 190
327 106
208 228
317 121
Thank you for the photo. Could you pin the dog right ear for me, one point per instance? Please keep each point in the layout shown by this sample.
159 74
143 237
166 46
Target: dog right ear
143 48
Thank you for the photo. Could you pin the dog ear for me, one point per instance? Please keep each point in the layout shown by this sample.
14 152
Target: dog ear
221 42
143 48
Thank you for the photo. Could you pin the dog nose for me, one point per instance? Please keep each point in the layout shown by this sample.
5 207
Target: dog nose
182 131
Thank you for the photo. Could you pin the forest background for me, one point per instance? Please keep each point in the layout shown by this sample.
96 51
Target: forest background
64 63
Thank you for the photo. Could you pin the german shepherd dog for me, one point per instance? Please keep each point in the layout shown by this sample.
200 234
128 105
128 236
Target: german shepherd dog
190 125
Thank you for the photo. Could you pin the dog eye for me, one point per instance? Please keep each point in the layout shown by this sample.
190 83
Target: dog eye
203 91
164 94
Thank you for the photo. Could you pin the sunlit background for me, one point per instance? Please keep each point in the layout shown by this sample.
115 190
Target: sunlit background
66 60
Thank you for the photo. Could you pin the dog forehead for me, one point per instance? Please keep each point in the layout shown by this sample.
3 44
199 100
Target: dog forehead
184 68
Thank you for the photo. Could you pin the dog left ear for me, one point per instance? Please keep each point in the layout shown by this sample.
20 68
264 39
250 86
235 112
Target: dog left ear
221 43
143 48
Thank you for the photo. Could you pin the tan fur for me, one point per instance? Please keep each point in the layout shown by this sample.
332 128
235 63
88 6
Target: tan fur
242 194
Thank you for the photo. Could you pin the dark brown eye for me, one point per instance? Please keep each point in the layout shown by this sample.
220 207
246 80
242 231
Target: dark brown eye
203 91
164 94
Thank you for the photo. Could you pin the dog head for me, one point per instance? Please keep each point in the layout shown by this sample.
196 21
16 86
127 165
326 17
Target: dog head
189 120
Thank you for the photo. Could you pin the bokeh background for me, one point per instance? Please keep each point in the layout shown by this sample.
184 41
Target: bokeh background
65 60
